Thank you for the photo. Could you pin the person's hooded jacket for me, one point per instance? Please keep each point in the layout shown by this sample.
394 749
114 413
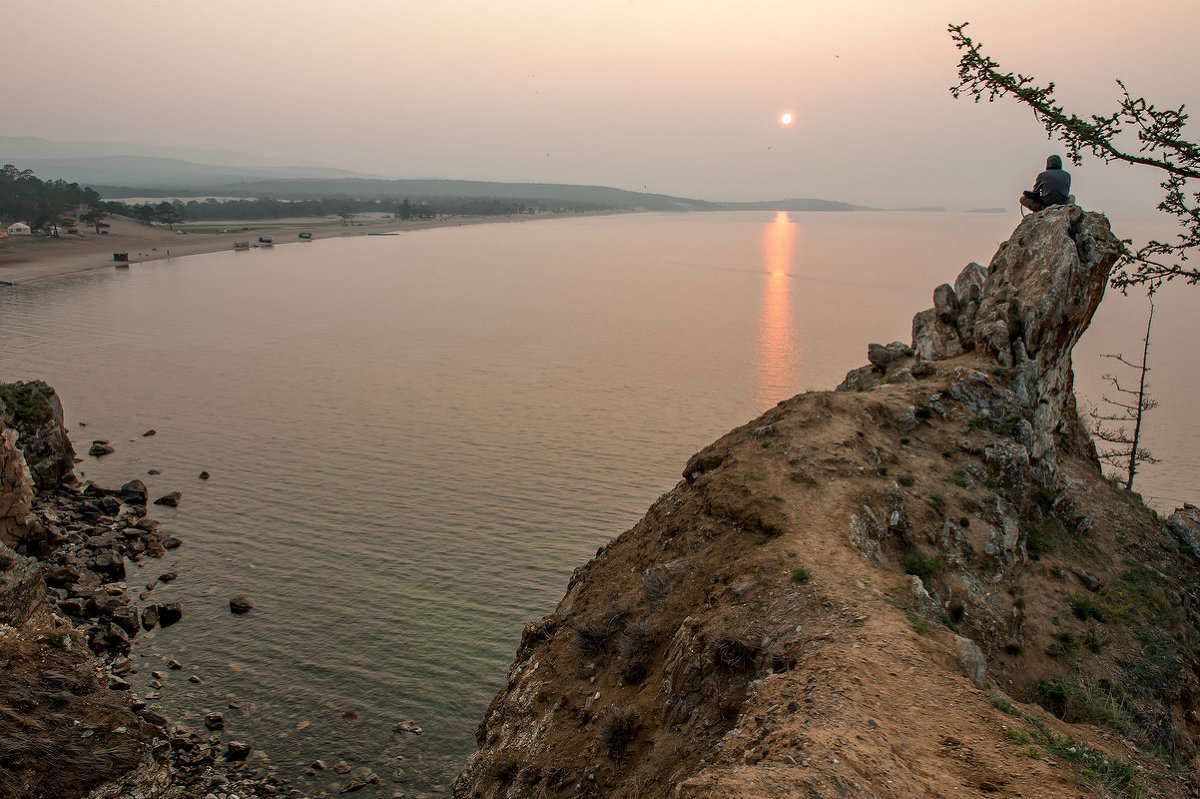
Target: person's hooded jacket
1053 187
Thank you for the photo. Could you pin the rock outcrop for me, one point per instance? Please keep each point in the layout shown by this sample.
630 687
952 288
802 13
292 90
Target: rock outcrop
35 412
920 585
1027 310
16 491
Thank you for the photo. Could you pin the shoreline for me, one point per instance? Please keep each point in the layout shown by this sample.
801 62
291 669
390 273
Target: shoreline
24 261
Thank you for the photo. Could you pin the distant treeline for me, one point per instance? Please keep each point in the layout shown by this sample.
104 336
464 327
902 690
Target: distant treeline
41 204
435 192
268 208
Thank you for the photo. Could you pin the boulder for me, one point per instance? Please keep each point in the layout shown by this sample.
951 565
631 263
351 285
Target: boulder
945 303
108 563
127 619
884 356
16 491
109 638
23 602
101 448
109 506
169 613
934 338
1183 526
241 604
971 661
170 500
968 289
237 750
33 409
134 493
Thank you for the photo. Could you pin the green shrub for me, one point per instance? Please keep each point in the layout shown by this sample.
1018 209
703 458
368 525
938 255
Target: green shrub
1041 539
917 562
920 626
1065 644
1094 641
1086 606
1075 702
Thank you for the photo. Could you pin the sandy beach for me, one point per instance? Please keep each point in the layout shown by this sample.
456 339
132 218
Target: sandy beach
25 259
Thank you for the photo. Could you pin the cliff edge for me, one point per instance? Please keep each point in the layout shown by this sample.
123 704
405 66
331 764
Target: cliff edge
917 585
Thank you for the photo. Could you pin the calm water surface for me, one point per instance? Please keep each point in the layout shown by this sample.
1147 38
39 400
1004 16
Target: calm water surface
413 440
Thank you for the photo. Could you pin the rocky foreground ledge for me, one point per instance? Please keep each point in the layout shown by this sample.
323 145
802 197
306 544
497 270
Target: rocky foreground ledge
69 723
920 585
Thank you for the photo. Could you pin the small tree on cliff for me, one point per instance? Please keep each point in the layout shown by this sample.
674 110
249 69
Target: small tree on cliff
1158 143
1125 450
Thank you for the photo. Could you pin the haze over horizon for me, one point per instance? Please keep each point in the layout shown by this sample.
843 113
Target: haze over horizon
669 98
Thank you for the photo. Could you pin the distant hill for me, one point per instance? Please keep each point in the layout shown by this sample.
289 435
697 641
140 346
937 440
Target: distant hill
793 204
153 172
418 190
120 171
22 150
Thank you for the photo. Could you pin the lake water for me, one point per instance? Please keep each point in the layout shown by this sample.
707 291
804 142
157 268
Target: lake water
413 440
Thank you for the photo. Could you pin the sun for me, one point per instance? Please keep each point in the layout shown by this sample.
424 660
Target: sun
786 118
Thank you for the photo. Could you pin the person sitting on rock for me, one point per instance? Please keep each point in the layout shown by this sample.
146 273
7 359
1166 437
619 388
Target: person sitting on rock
1052 187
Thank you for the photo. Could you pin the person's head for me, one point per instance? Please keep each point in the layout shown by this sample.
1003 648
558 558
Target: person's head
1054 162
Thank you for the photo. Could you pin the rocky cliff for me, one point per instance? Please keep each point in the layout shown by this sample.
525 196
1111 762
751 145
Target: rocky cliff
70 728
918 585
33 411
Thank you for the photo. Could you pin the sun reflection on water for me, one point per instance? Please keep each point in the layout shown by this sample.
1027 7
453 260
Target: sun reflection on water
779 352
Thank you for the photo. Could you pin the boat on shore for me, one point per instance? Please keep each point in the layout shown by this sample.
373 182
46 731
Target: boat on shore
241 245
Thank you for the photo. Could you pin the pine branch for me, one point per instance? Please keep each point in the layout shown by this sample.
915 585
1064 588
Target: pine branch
1160 145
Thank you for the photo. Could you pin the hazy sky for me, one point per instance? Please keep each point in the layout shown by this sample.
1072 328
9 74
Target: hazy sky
666 96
